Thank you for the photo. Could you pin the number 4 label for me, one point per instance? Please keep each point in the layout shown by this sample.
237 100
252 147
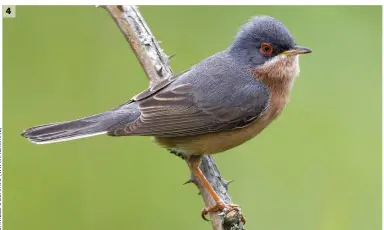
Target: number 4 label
9 11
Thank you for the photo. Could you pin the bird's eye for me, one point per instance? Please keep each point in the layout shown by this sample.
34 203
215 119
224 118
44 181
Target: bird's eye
266 48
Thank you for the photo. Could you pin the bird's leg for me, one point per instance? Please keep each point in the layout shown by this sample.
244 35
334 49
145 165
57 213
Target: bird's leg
194 163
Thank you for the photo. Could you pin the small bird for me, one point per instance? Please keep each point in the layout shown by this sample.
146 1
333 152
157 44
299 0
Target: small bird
217 104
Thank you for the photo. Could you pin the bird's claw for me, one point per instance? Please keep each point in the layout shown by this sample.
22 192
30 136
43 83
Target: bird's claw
218 207
221 207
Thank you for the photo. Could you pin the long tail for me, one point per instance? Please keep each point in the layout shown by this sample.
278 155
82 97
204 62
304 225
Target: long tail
85 127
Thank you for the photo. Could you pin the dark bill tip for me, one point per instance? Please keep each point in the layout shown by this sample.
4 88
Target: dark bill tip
301 50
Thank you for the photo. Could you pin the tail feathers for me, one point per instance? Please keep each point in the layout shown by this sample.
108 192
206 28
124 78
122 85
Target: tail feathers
81 128
64 131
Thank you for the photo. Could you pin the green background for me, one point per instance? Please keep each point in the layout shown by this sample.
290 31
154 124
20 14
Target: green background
317 167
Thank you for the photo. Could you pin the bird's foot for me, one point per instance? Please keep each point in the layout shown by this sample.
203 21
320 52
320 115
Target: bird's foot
222 207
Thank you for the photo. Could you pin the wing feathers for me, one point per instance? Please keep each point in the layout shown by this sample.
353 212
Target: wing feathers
207 98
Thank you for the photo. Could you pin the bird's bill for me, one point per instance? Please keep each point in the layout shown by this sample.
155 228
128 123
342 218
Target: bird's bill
298 50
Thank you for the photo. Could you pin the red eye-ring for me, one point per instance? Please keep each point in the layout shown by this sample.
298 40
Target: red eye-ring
266 48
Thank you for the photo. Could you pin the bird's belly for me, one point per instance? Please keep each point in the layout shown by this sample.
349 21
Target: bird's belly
220 141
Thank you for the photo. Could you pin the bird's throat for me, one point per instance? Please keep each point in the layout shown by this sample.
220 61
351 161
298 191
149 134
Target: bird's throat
279 73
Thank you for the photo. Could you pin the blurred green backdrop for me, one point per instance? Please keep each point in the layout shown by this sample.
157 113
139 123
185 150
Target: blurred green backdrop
317 167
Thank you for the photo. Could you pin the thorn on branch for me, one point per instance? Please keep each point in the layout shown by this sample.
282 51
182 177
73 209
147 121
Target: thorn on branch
159 70
190 180
226 183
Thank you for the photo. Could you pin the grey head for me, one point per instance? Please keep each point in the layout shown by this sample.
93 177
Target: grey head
262 40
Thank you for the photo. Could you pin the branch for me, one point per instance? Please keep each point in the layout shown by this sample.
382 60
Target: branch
155 63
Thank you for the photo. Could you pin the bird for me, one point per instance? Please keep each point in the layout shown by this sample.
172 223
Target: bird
215 105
